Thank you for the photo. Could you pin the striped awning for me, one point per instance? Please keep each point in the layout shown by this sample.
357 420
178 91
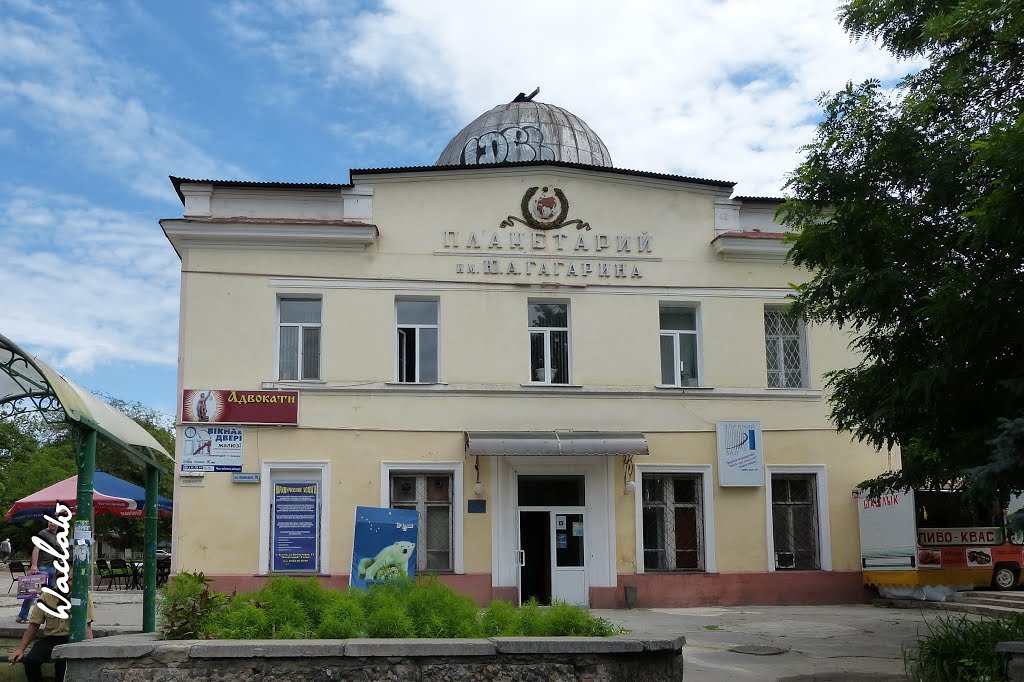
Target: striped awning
556 443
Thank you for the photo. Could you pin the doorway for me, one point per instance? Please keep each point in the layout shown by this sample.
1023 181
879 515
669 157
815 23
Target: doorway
552 539
535 556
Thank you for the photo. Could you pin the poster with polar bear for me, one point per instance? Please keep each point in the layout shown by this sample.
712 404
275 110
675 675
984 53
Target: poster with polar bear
385 545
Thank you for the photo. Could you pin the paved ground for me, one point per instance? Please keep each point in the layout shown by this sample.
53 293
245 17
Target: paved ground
847 642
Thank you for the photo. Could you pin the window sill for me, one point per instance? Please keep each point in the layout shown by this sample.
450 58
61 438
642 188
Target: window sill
673 387
415 383
538 384
295 382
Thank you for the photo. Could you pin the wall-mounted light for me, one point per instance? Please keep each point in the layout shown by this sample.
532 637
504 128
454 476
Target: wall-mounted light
628 484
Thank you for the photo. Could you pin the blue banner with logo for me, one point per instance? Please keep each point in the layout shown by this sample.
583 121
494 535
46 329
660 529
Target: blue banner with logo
384 546
296 526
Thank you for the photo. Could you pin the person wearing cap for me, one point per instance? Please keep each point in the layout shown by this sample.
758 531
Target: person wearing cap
56 631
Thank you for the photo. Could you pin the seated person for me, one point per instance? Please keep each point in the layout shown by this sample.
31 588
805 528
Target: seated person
55 632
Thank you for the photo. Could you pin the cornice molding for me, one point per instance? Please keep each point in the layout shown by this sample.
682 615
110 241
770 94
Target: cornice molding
737 248
285 234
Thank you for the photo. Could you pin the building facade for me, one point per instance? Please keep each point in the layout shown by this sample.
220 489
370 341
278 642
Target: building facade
581 377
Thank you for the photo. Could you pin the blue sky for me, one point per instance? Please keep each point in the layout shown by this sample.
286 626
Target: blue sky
101 101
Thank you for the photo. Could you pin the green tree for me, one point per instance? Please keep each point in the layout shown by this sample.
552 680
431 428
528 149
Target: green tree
34 455
907 210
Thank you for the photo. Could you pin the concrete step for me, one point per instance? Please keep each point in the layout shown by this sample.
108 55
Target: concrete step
1009 600
991 611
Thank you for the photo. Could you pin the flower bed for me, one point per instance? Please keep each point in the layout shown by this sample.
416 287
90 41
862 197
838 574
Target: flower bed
292 608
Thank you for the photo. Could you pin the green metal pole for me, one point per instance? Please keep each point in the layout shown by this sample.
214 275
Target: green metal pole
149 560
86 460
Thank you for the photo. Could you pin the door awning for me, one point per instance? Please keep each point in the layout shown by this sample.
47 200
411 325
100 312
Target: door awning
525 443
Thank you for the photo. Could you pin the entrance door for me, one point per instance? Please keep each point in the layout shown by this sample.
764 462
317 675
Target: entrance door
535 556
552 563
570 573
551 557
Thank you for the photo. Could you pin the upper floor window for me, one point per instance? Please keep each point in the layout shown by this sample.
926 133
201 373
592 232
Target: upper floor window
299 343
786 348
417 341
679 346
549 343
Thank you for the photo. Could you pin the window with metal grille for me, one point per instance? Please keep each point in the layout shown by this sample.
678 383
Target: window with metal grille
417 341
431 496
795 521
549 343
679 345
673 522
785 347
299 339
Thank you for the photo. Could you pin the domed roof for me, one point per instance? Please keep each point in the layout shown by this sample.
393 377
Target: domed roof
524 130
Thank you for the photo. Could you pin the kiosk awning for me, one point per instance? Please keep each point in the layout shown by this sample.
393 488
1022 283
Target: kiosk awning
524 443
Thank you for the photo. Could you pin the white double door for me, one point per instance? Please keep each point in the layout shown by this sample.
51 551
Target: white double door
552 555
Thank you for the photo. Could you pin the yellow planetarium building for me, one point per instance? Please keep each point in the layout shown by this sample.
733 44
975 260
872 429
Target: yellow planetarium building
581 377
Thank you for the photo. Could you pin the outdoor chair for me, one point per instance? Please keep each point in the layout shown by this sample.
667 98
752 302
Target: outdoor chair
163 571
17 570
104 572
120 570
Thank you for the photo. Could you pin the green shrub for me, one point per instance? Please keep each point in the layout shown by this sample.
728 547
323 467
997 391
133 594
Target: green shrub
500 619
292 608
958 648
531 620
567 620
342 619
386 616
186 606
437 610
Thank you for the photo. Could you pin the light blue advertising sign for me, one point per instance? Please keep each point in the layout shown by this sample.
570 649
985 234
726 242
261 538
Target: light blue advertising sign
384 546
740 454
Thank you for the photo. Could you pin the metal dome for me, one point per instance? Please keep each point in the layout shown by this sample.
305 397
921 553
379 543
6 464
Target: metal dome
524 130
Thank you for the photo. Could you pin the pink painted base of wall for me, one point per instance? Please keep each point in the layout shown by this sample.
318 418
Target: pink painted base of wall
781 588
654 590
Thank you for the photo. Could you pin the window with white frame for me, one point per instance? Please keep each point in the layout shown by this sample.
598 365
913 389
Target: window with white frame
679 345
795 531
673 521
549 342
786 349
299 339
417 341
430 494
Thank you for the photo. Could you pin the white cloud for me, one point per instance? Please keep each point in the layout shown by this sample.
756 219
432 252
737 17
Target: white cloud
53 78
86 285
709 88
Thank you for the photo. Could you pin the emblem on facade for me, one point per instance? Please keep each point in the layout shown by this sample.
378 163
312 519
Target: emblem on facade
545 208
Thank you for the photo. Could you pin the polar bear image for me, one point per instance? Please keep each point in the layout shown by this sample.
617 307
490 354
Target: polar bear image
394 557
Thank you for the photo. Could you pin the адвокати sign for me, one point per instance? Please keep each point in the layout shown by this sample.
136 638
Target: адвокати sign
207 406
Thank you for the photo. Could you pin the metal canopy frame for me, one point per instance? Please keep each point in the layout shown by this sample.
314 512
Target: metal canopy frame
27 386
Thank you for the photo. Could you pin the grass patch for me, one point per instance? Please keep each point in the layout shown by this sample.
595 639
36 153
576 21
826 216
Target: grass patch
713 628
294 608
958 648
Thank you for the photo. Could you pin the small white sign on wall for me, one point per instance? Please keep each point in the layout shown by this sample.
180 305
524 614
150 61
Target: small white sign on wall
740 454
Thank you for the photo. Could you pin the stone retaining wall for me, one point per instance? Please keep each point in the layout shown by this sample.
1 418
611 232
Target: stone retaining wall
144 658
1015 666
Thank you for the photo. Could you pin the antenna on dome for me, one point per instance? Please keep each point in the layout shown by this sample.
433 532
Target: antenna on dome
523 97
